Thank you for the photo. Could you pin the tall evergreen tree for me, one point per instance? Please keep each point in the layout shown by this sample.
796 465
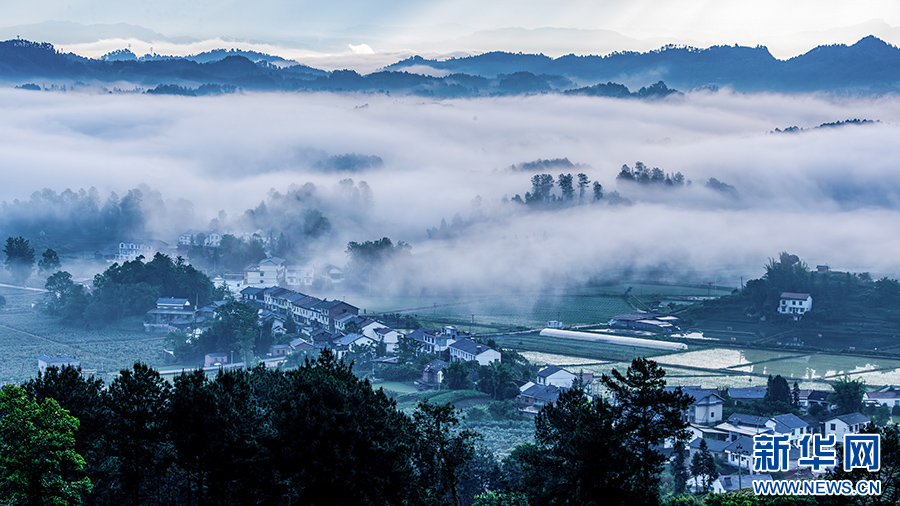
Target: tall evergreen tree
649 416
679 467
703 467
138 401
19 258
442 452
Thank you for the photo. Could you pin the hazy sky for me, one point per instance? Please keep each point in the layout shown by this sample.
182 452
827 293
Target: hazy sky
307 29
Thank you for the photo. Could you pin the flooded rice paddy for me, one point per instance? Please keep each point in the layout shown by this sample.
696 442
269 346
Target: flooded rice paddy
711 367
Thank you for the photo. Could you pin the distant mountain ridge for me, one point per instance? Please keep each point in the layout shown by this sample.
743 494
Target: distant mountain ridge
869 66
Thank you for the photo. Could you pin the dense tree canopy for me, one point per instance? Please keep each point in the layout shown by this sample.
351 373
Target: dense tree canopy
37 449
596 452
847 395
129 289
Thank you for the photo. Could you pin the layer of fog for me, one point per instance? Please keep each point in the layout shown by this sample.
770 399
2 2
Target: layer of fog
831 196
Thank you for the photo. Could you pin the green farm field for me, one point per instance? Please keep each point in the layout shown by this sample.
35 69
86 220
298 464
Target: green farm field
502 311
25 334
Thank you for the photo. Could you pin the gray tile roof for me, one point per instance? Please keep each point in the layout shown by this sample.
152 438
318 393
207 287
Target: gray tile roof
469 346
789 420
747 393
747 420
547 393
852 419
348 339
549 370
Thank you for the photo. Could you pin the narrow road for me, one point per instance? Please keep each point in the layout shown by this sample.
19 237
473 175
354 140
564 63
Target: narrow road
39 290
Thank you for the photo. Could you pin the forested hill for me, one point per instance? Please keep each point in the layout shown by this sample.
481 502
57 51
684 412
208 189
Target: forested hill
870 66
848 309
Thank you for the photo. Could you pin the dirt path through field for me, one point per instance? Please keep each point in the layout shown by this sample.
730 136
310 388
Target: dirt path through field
29 334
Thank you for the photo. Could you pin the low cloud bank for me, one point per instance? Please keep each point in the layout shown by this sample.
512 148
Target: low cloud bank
831 196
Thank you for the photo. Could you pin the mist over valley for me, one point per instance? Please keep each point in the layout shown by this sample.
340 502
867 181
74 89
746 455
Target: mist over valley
827 194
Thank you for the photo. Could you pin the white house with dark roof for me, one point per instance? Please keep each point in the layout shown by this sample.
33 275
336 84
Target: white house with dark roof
169 314
706 408
299 275
342 345
851 423
795 304
889 398
272 271
554 375
128 251
387 335
533 397
435 342
58 361
557 376
810 397
791 425
187 237
733 482
468 350
739 453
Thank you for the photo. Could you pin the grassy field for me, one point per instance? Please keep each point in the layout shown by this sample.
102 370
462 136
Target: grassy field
501 311
574 348
25 334
394 387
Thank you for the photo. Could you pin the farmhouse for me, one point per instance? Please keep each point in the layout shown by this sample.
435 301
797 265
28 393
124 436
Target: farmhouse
810 397
795 304
556 376
851 423
706 408
331 274
299 275
737 481
269 272
533 397
192 237
58 361
169 315
130 250
789 424
342 345
215 359
889 396
468 350
433 374
253 294
740 454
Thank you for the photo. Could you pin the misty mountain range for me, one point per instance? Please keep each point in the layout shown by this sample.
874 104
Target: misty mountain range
870 66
